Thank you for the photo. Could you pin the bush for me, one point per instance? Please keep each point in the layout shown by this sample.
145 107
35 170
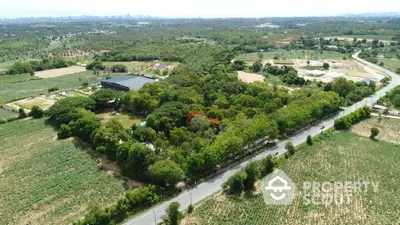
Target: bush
64 132
37 112
267 165
103 96
190 209
53 89
119 68
309 140
235 184
106 139
346 122
85 84
172 214
62 111
342 123
253 172
165 172
374 132
84 123
21 113
325 65
12 118
97 65
290 148
2 121
133 202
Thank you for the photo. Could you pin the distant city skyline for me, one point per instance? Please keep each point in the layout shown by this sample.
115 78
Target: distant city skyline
193 9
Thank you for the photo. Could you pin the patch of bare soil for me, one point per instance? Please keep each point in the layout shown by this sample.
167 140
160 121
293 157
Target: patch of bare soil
250 77
389 129
111 167
258 189
60 72
192 220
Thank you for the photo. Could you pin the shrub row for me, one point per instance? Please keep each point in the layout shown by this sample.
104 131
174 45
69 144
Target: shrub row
346 122
133 202
245 179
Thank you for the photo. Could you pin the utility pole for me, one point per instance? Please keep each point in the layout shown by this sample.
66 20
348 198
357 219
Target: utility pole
155 219
190 194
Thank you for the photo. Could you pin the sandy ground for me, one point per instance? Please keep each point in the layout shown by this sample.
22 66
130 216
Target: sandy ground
59 72
250 77
389 128
43 102
348 69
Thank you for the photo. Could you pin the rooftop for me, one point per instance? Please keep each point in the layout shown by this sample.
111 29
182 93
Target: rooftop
132 82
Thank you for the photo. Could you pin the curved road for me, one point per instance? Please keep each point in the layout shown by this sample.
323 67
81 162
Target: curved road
213 185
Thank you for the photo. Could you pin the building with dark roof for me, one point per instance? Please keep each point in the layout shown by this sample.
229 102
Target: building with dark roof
126 83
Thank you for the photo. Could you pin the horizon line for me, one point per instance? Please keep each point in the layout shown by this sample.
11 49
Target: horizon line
365 14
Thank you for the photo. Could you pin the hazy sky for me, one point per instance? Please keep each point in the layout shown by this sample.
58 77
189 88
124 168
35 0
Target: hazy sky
194 8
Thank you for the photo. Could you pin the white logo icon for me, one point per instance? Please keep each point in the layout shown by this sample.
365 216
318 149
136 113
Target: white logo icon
278 188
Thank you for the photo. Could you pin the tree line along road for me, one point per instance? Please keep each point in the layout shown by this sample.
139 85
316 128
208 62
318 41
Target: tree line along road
209 187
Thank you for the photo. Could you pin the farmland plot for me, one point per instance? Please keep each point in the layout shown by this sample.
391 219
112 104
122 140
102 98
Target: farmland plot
389 128
4 114
342 157
10 90
60 72
47 181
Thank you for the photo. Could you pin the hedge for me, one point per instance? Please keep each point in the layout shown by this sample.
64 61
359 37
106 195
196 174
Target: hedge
346 122
133 202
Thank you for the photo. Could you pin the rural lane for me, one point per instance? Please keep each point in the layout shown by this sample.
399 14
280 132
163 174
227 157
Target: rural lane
209 187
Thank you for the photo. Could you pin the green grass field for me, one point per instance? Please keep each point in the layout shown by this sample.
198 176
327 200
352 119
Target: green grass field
4 114
393 65
132 66
17 78
74 94
10 90
126 120
292 54
47 181
341 156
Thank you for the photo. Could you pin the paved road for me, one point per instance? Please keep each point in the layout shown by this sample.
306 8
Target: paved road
212 186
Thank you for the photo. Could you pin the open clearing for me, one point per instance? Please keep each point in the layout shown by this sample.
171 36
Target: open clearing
19 86
349 69
389 129
41 101
73 94
283 55
126 120
44 101
341 156
133 66
250 77
60 72
47 181
392 64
